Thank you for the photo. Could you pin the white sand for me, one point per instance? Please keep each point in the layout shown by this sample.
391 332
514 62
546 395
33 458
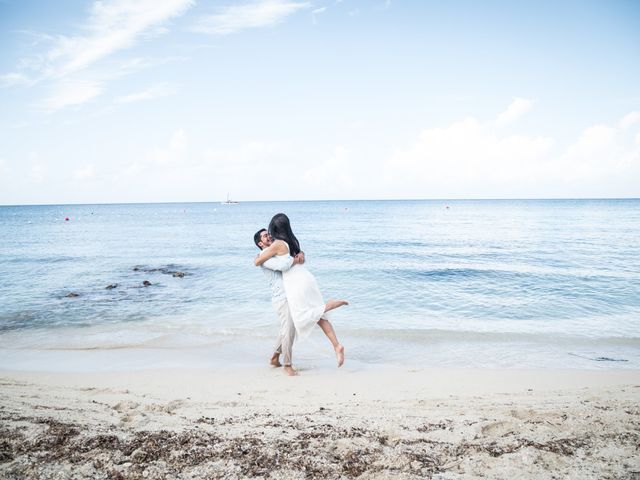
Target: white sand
396 423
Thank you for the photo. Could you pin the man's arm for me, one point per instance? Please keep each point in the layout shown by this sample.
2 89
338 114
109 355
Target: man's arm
279 263
282 263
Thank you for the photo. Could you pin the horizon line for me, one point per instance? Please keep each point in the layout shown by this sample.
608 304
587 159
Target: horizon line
325 200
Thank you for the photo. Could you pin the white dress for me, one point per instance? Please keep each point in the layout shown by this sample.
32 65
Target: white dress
304 298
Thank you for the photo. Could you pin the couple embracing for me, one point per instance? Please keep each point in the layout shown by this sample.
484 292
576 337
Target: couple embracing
294 290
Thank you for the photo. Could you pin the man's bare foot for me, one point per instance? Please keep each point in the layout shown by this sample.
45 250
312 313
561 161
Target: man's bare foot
340 354
275 360
333 304
289 370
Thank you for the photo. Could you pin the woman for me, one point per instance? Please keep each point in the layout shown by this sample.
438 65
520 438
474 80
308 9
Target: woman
303 295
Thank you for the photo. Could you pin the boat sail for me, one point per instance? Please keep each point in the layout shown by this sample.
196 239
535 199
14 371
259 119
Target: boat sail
229 201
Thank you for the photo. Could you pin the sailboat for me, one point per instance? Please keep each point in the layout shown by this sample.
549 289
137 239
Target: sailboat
229 201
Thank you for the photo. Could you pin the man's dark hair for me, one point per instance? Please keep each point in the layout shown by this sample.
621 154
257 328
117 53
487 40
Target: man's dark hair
256 237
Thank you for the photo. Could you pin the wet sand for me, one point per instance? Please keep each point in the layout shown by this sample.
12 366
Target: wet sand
257 423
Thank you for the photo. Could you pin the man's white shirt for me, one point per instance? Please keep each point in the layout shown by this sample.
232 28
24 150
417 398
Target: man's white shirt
273 269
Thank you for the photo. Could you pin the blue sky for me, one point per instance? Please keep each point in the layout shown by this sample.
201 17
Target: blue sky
186 100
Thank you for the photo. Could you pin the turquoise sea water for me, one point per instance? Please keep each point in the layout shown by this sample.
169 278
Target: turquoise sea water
505 283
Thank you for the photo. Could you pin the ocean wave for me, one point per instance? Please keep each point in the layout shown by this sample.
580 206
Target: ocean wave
545 275
143 334
40 260
428 336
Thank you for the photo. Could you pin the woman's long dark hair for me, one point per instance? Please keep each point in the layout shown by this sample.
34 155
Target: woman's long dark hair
280 228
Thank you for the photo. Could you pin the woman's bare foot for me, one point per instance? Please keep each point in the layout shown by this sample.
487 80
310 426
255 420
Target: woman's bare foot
340 354
275 360
333 304
289 370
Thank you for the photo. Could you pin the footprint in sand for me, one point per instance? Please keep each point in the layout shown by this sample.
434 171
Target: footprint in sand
127 418
496 428
125 406
128 410
170 407
173 405
524 414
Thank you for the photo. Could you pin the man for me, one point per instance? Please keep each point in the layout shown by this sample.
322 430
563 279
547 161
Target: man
273 269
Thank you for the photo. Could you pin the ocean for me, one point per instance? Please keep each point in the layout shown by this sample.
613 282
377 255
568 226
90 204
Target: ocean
433 283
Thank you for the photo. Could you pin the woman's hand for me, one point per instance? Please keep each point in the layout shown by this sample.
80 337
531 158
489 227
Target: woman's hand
298 259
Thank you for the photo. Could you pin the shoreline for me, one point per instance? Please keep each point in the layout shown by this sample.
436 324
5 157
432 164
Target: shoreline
250 422
426 381
75 349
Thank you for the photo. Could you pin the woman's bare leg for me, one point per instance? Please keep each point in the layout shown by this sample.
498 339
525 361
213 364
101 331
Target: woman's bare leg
332 304
328 330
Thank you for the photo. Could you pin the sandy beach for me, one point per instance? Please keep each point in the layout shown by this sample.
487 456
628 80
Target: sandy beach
257 423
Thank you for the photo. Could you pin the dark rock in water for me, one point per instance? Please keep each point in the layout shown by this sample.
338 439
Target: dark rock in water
111 286
599 359
146 283
72 295
167 270
142 268
607 359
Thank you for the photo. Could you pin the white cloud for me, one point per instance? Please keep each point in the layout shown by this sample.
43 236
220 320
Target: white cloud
316 12
154 91
470 159
381 6
250 155
601 155
453 159
332 176
71 93
112 26
159 160
517 108
594 141
629 120
180 171
178 141
13 78
38 172
84 173
261 13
